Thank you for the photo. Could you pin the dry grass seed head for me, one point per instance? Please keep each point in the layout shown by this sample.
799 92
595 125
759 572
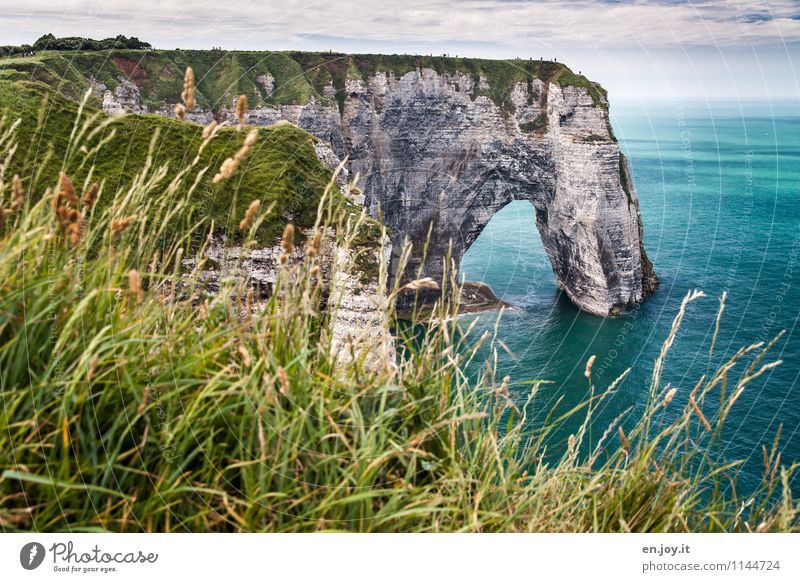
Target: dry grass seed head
18 194
241 110
424 283
245 356
251 138
316 244
134 285
66 193
210 130
90 196
699 413
249 142
624 440
248 305
288 239
250 215
188 89
119 226
283 377
226 170
230 165
588 371
92 367
70 220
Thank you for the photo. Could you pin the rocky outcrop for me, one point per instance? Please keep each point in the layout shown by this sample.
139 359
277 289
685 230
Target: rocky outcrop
359 327
126 98
360 323
435 151
316 117
431 149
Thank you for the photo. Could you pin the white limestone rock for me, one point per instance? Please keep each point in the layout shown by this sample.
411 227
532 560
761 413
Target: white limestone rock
430 149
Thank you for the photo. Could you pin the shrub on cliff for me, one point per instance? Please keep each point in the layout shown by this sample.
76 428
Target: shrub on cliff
78 43
11 50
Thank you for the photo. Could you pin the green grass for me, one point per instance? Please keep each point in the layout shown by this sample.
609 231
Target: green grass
166 410
282 169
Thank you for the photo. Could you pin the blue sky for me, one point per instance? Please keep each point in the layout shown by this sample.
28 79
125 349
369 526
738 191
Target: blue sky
638 49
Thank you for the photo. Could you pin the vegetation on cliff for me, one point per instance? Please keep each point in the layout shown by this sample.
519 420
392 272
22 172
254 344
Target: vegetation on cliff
296 77
132 400
282 170
75 43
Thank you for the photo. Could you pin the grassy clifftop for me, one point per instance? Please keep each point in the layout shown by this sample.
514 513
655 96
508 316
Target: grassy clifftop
222 75
282 168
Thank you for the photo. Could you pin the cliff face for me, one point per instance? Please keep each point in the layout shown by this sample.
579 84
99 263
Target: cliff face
439 143
359 325
430 153
432 150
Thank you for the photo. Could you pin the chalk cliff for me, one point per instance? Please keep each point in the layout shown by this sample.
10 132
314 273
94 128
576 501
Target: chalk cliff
442 149
429 152
359 325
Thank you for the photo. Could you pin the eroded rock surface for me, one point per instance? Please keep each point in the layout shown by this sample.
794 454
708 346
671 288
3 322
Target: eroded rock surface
359 328
435 151
430 149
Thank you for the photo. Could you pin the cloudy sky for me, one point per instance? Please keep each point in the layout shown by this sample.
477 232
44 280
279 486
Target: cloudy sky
638 49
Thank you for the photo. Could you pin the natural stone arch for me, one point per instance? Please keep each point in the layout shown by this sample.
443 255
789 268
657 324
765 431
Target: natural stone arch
434 150
447 143
433 158
592 253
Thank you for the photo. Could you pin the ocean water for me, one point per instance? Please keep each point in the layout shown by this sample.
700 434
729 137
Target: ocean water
719 187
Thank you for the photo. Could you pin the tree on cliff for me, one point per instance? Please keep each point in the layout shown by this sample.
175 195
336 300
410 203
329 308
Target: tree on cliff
77 43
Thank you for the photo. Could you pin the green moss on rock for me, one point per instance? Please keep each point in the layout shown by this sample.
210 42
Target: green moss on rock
538 125
624 178
650 280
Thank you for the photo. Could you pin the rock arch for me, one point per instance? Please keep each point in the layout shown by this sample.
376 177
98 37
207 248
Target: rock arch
433 157
435 151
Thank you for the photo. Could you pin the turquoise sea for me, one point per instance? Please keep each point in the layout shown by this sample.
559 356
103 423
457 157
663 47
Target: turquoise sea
719 186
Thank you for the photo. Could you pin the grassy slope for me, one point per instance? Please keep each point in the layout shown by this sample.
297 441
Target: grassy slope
298 75
282 168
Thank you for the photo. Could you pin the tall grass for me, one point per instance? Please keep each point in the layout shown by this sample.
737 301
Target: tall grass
134 401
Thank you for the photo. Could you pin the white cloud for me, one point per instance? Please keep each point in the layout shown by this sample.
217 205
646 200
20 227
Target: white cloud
601 23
